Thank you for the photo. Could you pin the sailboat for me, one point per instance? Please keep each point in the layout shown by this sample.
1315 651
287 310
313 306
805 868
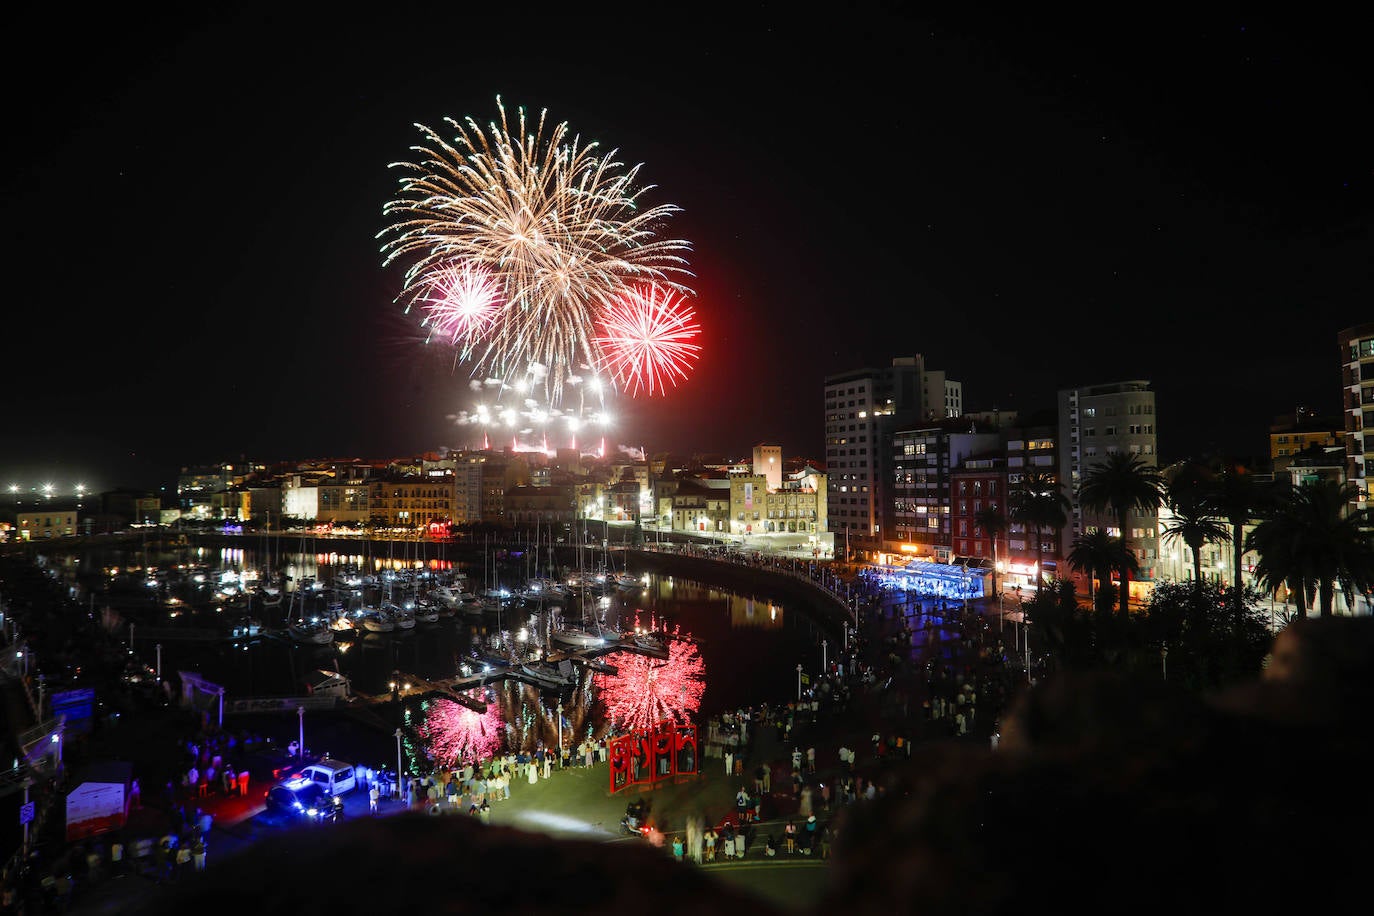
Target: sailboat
302 626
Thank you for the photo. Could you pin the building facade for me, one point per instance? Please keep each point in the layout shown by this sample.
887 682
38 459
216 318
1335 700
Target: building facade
917 515
1096 421
862 409
1356 346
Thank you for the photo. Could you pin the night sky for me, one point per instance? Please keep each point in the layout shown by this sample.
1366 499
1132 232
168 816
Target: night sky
192 204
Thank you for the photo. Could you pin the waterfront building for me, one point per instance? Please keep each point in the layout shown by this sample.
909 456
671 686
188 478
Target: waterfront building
410 502
541 506
48 519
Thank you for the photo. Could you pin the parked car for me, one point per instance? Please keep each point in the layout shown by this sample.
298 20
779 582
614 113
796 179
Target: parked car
334 776
302 799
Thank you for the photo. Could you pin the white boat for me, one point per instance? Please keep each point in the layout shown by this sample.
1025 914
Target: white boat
269 596
544 676
647 641
310 632
426 612
625 580
577 638
378 620
404 617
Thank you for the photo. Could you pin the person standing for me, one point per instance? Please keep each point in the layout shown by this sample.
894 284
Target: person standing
789 837
678 848
810 760
729 762
373 794
710 842
198 852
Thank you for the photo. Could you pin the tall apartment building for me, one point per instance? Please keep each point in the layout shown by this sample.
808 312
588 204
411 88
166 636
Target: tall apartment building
862 409
1096 421
1357 384
1029 448
978 483
918 489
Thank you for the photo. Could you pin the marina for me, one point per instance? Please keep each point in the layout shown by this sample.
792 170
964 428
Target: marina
550 619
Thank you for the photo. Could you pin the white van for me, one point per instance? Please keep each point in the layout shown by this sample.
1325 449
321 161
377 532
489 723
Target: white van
334 776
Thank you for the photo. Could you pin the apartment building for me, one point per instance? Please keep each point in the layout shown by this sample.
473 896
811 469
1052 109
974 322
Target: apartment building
1356 345
1096 421
863 407
917 513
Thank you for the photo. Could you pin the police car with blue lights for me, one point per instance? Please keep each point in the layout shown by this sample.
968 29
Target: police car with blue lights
302 799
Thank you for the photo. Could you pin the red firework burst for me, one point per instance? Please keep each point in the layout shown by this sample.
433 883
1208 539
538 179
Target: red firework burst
454 733
461 303
646 339
645 691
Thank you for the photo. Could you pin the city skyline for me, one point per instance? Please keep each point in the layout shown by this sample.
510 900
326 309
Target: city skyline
1030 204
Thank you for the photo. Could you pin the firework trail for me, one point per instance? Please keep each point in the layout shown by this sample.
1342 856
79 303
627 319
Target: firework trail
461 303
647 339
559 228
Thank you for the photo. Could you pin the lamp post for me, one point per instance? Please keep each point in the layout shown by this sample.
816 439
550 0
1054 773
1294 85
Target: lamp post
824 665
398 763
560 735
1026 645
1017 591
1164 660
300 715
799 672
963 575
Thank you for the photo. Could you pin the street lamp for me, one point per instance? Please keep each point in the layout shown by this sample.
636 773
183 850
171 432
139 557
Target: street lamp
398 763
300 715
1164 660
799 672
560 735
1026 646
963 574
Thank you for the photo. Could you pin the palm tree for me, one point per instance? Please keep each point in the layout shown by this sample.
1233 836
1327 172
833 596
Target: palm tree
1193 522
1314 542
1097 553
991 520
1121 484
1234 496
1040 503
